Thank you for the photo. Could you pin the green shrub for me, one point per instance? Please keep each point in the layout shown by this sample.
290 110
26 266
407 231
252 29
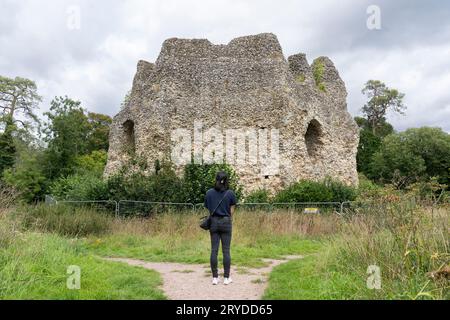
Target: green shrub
258 196
340 191
368 189
198 179
80 187
93 163
163 186
310 191
64 220
412 156
28 179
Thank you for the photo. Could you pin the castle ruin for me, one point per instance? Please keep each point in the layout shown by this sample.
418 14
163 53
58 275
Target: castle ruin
245 85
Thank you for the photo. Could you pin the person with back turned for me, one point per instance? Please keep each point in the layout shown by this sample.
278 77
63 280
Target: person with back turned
221 202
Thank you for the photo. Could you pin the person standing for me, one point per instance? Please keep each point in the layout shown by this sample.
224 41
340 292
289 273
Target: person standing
221 203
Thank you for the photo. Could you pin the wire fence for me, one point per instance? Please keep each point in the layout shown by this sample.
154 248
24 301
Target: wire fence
146 209
128 208
310 207
107 206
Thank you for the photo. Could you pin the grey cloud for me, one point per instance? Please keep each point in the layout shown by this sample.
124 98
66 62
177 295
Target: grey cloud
96 64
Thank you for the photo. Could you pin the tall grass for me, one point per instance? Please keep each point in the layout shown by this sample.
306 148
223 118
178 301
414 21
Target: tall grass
8 197
246 224
8 228
64 220
34 266
175 237
408 243
34 257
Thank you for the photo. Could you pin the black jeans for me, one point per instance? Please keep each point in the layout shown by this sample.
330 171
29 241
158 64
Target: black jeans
221 231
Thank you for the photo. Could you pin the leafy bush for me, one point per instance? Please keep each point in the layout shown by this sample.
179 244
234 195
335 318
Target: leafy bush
133 183
94 162
310 191
368 189
258 196
27 176
198 179
305 191
162 186
340 191
429 191
64 220
80 187
412 156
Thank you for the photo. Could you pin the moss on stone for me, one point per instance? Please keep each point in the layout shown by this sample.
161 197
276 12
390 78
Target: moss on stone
318 71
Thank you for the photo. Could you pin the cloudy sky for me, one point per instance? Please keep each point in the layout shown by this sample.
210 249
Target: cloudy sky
95 61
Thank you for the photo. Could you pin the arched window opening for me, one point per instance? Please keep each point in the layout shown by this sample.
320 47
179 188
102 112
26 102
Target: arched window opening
129 135
313 138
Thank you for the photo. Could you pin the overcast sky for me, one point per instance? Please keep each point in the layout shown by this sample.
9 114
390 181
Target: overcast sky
95 63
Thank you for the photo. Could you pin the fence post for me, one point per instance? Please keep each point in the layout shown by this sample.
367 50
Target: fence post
342 207
117 209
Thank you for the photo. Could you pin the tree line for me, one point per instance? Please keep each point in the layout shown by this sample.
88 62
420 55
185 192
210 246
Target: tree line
417 155
36 151
65 151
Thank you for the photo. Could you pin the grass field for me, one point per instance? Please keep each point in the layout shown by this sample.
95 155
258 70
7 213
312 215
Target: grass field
34 266
408 244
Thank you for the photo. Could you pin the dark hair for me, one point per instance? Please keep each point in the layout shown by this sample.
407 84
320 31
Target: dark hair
221 181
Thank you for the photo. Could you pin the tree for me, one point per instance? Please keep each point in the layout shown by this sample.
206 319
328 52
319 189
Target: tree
381 99
384 128
411 156
369 143
66 134
98 138
18 99
72 133
26 175
7 149
93 163
433 146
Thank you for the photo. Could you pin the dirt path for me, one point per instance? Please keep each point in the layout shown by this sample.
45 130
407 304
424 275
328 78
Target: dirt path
193 282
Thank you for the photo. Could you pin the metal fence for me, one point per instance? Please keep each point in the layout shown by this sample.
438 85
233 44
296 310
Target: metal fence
310 207
352 208
107 206
145 208
126 208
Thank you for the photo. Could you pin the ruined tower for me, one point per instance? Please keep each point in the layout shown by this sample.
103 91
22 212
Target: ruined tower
248 84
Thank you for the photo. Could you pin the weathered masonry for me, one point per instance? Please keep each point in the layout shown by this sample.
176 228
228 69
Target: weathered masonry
247 83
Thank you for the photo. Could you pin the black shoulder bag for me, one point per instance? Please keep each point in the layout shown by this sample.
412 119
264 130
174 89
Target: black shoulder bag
205 223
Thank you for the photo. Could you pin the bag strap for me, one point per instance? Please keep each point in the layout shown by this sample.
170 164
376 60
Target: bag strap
217 207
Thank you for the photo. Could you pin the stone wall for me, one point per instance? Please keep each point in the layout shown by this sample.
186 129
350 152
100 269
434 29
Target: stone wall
245 84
